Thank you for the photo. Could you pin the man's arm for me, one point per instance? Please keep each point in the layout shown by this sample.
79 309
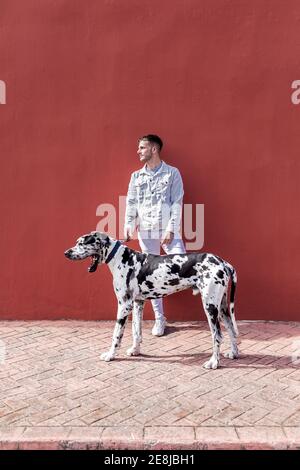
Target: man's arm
131 210
175 209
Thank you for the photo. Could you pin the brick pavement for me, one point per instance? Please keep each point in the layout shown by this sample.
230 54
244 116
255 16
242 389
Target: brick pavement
55 393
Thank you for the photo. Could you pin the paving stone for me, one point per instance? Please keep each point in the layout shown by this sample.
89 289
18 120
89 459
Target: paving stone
55 390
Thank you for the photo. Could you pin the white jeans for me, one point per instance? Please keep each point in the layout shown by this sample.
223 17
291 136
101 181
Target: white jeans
150 243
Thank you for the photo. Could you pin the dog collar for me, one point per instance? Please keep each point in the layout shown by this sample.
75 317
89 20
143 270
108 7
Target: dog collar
113 252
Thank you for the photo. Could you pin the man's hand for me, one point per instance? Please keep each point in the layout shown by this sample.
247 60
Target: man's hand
127 234
168 238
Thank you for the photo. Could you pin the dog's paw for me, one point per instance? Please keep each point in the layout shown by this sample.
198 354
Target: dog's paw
133 351
107 356
231 354
211 364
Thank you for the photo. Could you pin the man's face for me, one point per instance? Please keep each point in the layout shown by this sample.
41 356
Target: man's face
145 150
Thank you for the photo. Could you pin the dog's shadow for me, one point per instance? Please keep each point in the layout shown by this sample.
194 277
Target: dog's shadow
193 359
258 361
170 329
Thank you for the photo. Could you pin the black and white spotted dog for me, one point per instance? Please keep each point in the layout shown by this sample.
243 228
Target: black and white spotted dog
140 276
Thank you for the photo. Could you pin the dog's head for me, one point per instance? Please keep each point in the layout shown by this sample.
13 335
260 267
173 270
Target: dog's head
94 244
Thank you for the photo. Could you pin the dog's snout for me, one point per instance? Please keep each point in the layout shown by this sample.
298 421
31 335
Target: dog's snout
68 253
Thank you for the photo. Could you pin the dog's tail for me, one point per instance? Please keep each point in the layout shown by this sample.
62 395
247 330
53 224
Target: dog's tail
232 295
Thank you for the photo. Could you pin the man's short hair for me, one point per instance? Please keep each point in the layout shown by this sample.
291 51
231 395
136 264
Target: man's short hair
152 138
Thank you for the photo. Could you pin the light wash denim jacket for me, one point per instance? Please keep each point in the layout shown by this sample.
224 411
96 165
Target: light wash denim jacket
154 200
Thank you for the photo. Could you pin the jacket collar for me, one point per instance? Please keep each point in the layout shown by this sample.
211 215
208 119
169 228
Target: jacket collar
162 169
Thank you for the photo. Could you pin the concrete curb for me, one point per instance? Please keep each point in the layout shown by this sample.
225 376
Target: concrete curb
150 438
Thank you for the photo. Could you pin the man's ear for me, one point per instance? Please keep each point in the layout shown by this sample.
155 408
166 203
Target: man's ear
155 149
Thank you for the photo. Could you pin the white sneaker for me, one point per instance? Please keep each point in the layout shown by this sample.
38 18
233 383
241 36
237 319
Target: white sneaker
159 327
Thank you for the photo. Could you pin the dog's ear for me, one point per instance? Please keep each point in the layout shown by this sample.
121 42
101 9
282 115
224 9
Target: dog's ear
101 238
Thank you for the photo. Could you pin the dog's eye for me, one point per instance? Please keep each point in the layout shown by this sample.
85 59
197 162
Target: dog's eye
89 240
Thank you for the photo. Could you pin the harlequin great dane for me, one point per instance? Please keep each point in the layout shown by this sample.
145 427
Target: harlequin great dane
139 276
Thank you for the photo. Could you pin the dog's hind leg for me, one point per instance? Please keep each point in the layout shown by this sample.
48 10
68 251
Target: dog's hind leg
228 323
137 319
122 317
211 299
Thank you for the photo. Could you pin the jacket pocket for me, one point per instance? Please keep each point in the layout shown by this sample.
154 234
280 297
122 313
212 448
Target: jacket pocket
163 187
141 188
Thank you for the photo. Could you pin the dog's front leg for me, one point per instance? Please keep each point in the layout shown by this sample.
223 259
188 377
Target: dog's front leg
122 317
137 318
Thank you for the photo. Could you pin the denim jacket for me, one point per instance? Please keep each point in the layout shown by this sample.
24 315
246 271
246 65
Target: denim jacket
154 200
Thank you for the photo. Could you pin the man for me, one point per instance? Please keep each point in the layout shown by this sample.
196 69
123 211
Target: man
154 206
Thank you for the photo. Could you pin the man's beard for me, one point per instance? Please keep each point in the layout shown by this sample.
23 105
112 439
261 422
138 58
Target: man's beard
146 158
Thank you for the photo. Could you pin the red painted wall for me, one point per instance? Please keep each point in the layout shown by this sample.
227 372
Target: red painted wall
85 78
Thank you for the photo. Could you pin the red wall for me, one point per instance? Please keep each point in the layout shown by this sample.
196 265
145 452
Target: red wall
85 78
